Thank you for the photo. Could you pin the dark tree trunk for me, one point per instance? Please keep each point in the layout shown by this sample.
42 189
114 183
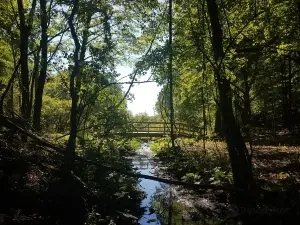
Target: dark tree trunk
71 145
246 111
283 92
238 153
43 72
10 102
286 84
25 29
218 122
290 96
75 83
35 74
24 35
8 87
203 113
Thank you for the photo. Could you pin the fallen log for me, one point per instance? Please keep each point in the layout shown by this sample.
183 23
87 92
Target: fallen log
6 122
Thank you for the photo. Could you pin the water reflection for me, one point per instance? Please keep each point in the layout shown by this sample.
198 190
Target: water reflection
143 162
170 204
162 205
170 210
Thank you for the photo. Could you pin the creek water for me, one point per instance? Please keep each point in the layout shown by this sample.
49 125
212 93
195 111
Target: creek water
143 162
163 204
167 204
172 204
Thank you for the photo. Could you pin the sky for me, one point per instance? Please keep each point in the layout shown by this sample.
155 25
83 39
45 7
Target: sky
145 95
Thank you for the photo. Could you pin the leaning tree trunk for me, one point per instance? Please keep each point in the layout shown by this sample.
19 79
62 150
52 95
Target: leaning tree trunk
238 153
43 72
8 87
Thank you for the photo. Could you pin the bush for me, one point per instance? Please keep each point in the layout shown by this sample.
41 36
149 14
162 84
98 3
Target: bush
196 165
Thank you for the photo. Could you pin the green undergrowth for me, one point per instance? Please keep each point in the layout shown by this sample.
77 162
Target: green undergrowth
133 144
191 162
197 165
119 195
34 190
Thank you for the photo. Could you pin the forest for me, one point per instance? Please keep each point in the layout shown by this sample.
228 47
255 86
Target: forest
222 147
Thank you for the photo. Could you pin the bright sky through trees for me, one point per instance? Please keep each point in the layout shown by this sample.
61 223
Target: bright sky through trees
145 94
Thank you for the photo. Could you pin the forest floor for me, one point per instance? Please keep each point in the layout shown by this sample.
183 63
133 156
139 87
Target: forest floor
270 162
33 190
276 168
274 160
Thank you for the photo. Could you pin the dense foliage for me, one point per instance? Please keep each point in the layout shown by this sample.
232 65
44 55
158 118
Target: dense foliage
260 61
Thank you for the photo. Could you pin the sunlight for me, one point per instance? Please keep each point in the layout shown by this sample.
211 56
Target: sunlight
145 94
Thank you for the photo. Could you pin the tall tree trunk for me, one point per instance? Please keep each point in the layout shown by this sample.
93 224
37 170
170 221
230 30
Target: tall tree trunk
35 74
203 111
218 121
170 70
24 35
10 102
75 82
25 29
71 145
44 64
246 111
203 74
284 99
238 153
290 96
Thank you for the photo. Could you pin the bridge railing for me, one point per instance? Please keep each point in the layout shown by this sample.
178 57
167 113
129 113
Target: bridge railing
180 129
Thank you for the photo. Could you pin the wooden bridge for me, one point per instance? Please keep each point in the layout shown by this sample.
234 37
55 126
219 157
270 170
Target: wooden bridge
159 129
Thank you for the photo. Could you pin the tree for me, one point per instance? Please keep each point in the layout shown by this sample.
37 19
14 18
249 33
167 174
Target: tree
238 152
44 64
25 31
75 77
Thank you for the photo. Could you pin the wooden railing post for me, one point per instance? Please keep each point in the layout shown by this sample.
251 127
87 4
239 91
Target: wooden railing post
148 128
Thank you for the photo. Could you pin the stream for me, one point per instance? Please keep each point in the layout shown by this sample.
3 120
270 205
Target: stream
143 162
172 204
166 204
